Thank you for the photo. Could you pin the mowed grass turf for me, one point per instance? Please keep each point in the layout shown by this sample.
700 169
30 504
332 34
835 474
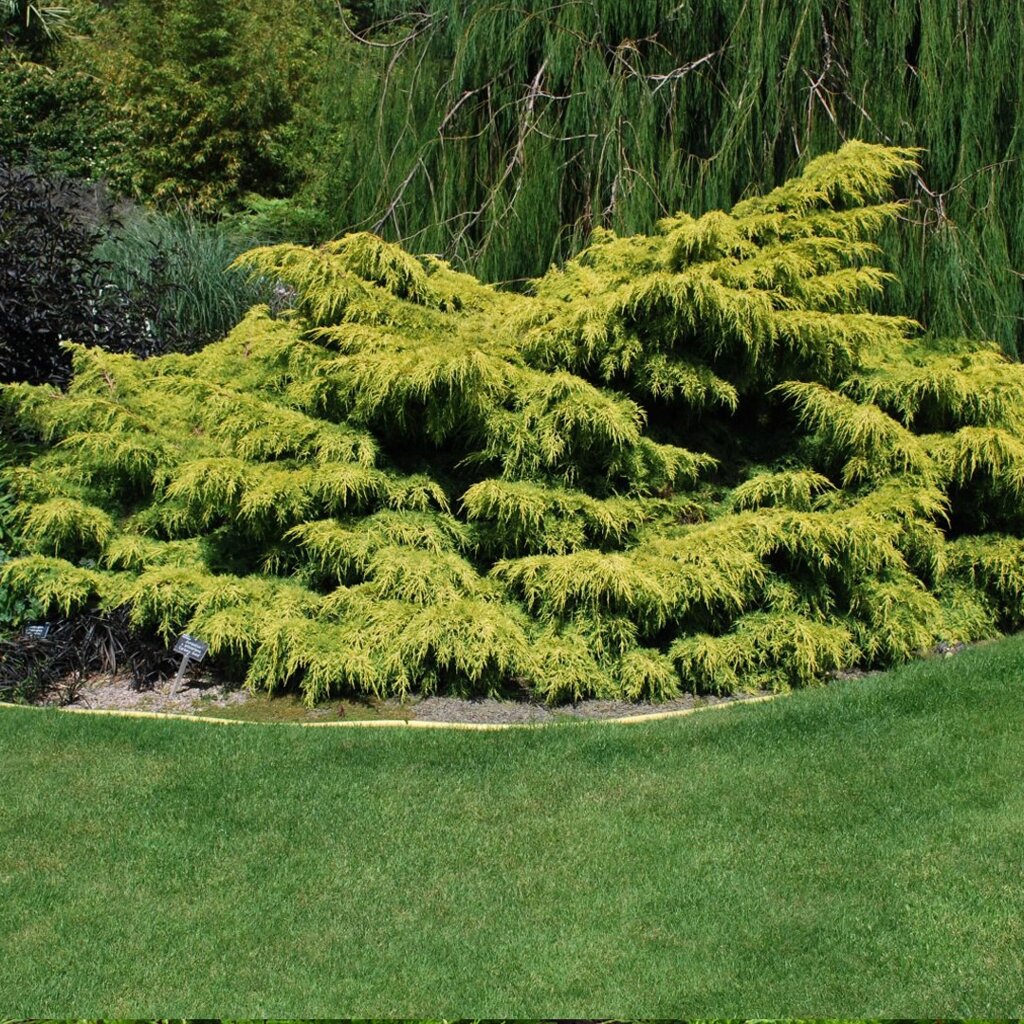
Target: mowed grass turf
856 850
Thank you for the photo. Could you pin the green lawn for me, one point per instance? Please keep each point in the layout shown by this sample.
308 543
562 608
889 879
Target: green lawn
853 851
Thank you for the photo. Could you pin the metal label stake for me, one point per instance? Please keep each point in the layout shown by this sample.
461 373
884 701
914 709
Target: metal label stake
185 659
190 649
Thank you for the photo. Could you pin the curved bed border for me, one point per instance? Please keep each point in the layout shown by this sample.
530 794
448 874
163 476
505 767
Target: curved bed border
400 723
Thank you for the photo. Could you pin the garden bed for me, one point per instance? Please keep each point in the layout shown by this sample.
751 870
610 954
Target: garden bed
204 695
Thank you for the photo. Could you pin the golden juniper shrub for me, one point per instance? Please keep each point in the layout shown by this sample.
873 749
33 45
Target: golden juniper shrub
689 460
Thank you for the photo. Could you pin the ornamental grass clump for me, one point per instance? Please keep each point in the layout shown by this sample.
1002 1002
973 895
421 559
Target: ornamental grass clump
690 460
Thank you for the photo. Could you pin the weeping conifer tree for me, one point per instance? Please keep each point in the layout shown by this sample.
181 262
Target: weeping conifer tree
690 459
504 133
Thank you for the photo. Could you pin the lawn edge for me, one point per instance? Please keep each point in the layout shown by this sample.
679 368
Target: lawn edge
401 723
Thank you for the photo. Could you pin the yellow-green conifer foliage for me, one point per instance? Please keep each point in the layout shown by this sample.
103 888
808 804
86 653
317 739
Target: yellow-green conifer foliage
695 459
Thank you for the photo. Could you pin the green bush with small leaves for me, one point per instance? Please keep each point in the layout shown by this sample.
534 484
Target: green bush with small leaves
206 91
690 460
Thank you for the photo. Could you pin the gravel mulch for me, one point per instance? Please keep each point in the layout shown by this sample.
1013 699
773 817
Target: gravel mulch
485 711
507 712
204 694
116 694
625 708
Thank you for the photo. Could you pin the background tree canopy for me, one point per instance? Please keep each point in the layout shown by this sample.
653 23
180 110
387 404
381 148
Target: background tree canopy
505 132
501 134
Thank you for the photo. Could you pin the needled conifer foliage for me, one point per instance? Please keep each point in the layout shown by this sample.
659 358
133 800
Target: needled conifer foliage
694 459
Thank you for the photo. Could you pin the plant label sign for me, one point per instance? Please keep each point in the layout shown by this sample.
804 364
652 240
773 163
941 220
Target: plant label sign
40 632
190 649
193 649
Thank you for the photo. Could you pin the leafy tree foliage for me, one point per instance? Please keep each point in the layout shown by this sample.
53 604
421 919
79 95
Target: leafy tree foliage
687 459
205 91
52 112
501 134
52 117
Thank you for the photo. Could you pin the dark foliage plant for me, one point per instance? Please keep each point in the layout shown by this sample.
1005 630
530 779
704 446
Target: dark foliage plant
54 667
55 287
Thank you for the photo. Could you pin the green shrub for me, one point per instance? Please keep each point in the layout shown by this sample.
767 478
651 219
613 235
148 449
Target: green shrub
15 609
685 460
279 220
205 91
52 117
